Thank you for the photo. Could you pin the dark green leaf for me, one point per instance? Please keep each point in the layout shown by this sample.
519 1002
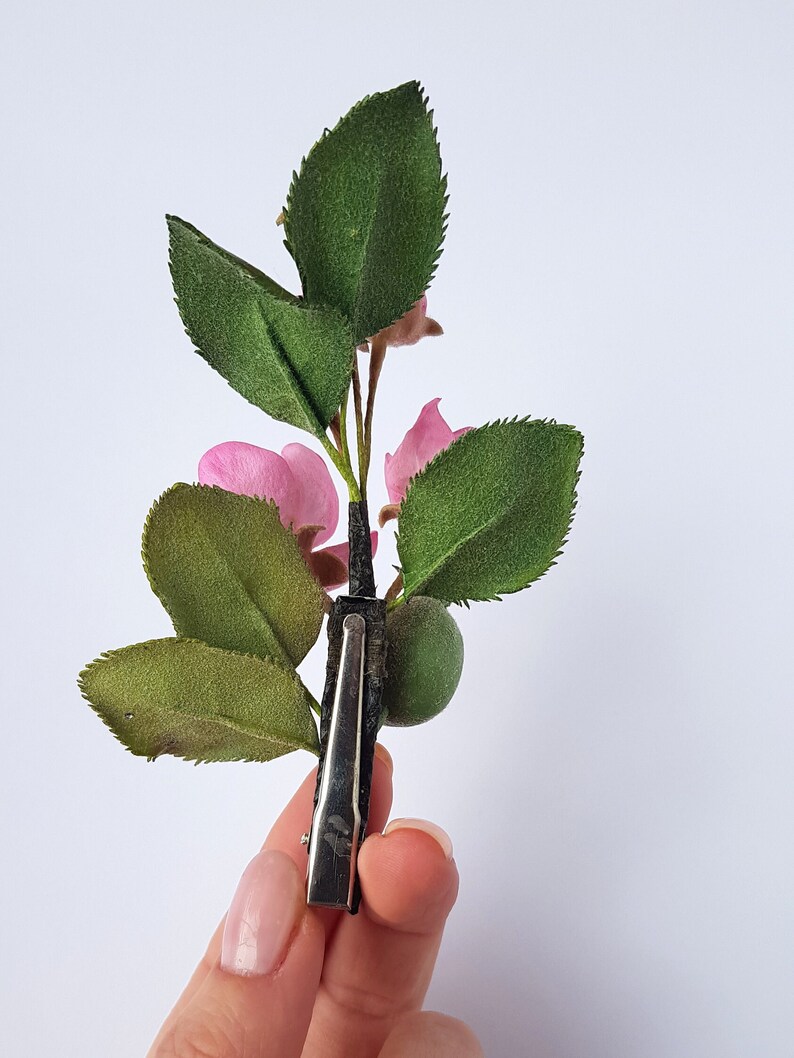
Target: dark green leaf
489 515
291 361
365 215
182 697
228 572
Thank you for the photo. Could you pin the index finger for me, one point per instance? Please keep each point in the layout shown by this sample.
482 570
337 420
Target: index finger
285 835
257 998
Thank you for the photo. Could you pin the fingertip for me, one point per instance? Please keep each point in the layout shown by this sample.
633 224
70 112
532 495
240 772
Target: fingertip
385 756
264 915
262 983
407 881
432 829
426 1032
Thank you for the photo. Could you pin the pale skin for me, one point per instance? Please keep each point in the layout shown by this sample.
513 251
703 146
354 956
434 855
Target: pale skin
346 986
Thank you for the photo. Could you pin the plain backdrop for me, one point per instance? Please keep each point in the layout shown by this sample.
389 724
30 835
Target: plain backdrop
616 769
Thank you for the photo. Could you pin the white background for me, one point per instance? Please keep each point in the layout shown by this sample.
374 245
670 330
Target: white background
616 768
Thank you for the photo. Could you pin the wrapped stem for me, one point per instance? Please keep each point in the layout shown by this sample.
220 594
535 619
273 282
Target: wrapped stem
361 600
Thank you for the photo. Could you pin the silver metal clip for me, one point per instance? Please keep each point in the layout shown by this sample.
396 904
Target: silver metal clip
336 825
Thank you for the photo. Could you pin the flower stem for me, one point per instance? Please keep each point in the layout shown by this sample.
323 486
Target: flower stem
394 589
359 429
344 446
336 432
376 357
343 466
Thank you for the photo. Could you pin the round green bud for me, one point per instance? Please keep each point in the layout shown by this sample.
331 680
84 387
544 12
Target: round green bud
423 662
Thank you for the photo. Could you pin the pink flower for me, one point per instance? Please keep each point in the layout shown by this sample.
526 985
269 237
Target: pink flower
429 435
298 482
411 327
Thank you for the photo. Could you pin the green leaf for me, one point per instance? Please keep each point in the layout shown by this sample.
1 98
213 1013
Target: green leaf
365 216
291 361
194 701
228 572
490 513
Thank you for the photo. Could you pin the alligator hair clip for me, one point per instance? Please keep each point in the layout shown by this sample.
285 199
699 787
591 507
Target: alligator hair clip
349 721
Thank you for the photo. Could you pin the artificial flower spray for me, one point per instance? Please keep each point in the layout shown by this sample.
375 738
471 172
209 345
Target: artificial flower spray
244 561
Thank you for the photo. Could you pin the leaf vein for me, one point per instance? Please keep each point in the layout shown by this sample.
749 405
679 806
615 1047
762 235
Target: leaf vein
449 555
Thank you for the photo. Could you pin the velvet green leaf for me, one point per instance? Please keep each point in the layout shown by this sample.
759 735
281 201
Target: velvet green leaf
194 701
292 361
365 216
229 573
490 513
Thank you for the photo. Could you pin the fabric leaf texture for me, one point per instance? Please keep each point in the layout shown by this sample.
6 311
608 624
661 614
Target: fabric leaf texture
292 361
489 515
365 216
230 574
185 698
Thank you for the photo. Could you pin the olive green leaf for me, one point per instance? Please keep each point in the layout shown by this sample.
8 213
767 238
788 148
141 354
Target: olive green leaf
229 573
194 701
365 216
292 361
490 513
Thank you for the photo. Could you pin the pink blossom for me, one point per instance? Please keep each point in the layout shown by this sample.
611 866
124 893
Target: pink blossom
429 435
411 327
299 483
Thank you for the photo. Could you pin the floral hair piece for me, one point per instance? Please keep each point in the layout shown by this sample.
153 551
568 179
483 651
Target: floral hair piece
244 561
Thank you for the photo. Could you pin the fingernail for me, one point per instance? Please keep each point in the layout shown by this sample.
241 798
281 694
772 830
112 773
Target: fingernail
263 914
435 832
385 756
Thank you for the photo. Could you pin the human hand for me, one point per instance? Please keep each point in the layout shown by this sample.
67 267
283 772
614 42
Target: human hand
283 980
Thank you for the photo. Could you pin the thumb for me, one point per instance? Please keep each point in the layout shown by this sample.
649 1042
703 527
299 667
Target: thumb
256 999
426 1034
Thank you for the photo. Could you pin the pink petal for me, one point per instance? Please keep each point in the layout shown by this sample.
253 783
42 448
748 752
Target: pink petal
389 511
429 435
316 500
306 535
329 570
342 552
411 327
251 471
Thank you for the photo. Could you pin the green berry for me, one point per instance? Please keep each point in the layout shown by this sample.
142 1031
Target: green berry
423 662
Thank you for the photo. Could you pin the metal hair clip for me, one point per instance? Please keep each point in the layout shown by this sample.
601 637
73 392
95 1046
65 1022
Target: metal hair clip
337 818
349 722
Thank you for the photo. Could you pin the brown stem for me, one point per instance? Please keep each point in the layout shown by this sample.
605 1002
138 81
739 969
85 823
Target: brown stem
336 430
376 357
395 588
345 447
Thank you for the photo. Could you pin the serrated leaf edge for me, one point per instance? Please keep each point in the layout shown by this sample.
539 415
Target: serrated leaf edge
221 720
521 420
443 181
251 274
262 279
253 500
